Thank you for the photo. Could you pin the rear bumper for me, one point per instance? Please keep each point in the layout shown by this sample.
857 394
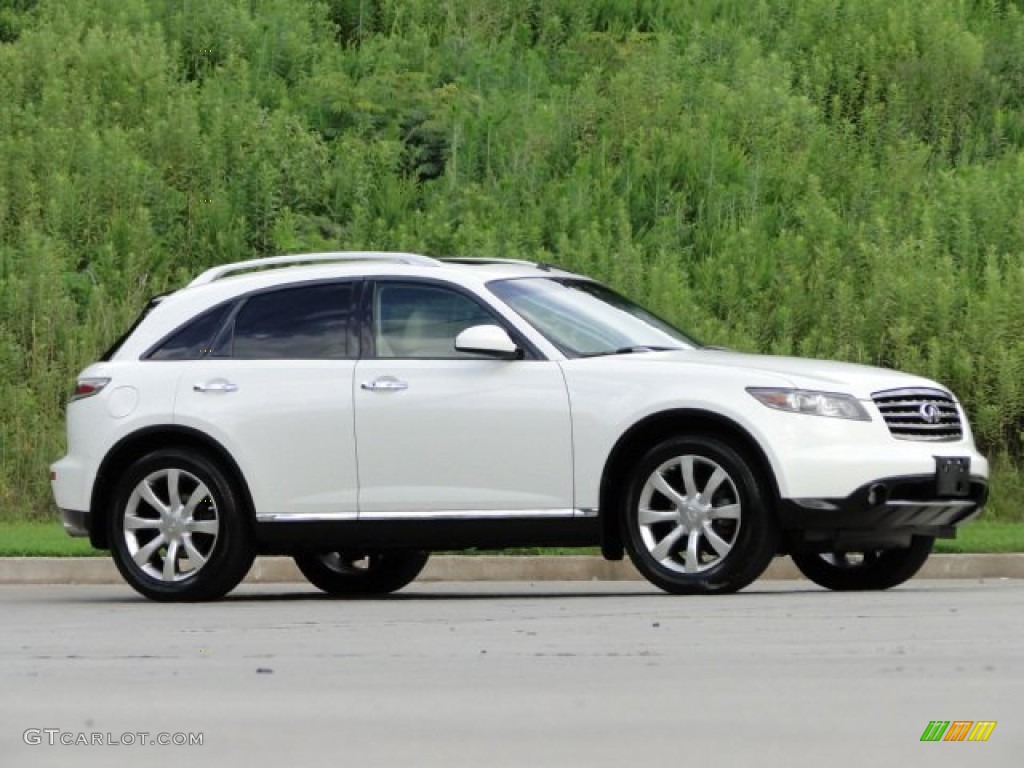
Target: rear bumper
71 481
76 522
882 514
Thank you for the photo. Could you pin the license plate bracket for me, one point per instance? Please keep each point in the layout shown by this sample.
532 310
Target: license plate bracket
952 476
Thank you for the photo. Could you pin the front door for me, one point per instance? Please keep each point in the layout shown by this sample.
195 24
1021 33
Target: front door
440 433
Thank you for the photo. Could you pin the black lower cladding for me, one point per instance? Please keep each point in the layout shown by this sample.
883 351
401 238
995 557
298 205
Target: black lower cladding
447 534
884 513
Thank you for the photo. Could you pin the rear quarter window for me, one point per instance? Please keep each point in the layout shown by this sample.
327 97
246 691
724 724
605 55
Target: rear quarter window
109 354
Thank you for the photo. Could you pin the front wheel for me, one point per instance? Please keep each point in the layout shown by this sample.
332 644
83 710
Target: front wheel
357 573
697 518
871 570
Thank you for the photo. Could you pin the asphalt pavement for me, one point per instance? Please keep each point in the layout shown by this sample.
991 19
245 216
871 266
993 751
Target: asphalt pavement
547 673
271 570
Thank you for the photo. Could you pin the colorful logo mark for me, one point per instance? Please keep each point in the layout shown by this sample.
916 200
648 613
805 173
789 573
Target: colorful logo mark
958 730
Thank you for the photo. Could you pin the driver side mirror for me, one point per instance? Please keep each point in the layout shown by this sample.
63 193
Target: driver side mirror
488 340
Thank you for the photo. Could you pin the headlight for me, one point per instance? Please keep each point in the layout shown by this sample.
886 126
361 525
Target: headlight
815 403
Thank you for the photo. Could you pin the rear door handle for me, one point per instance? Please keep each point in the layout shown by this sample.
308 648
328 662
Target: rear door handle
384 384
215 386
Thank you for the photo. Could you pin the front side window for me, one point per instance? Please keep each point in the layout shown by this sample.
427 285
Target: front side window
308 322
416 320
585 319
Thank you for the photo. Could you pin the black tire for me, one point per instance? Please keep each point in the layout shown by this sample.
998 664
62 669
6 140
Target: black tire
357 573
685 543
872 570
185 498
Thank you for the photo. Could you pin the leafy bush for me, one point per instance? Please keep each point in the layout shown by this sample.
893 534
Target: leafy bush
792 176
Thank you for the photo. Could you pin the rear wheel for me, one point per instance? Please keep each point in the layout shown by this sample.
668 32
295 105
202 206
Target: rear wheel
358 573
177 531
697 519
871 570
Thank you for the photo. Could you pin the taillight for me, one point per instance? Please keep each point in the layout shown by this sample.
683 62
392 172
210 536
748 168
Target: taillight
88 387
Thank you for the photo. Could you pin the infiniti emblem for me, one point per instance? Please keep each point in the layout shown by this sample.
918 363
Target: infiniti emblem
930 413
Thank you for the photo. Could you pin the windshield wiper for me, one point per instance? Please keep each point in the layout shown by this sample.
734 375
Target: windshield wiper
630 350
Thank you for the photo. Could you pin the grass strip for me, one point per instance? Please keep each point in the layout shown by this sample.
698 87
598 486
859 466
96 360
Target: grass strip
47 539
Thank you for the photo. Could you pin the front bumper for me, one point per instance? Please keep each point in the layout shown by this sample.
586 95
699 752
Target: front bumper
885 513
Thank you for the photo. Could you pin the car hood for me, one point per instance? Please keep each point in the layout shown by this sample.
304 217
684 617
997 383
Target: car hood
859 380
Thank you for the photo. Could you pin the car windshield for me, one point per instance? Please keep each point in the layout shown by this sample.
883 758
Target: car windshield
585 319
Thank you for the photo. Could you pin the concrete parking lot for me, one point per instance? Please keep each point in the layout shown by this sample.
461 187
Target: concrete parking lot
512 674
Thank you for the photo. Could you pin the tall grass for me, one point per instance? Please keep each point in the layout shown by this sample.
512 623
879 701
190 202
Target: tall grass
810 177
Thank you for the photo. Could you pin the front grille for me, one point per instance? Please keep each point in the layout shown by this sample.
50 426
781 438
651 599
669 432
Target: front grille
920 414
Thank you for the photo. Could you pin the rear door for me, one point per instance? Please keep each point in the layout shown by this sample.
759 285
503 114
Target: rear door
276 391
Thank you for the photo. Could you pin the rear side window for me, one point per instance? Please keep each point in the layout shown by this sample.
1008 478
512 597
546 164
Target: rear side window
305 323
195 338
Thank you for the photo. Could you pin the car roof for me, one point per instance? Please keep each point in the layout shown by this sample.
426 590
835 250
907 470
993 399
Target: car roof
280 270
228 281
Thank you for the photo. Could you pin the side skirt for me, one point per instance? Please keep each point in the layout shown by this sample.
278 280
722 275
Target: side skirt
431 535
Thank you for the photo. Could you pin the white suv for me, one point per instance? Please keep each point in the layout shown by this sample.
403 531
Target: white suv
360 410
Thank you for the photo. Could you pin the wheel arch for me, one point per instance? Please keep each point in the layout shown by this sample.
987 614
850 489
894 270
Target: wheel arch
648 432
136 445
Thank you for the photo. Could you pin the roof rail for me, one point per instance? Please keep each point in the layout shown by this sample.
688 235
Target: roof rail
485 260
216 273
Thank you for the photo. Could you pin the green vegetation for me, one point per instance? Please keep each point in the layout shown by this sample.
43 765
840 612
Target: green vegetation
822 177
985 536
42 539
38 539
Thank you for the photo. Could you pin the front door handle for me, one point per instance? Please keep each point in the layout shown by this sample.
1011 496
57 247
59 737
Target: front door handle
215 386
384 384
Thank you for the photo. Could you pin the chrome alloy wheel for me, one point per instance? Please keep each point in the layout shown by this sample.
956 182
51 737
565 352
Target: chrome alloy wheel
689 514
171 524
